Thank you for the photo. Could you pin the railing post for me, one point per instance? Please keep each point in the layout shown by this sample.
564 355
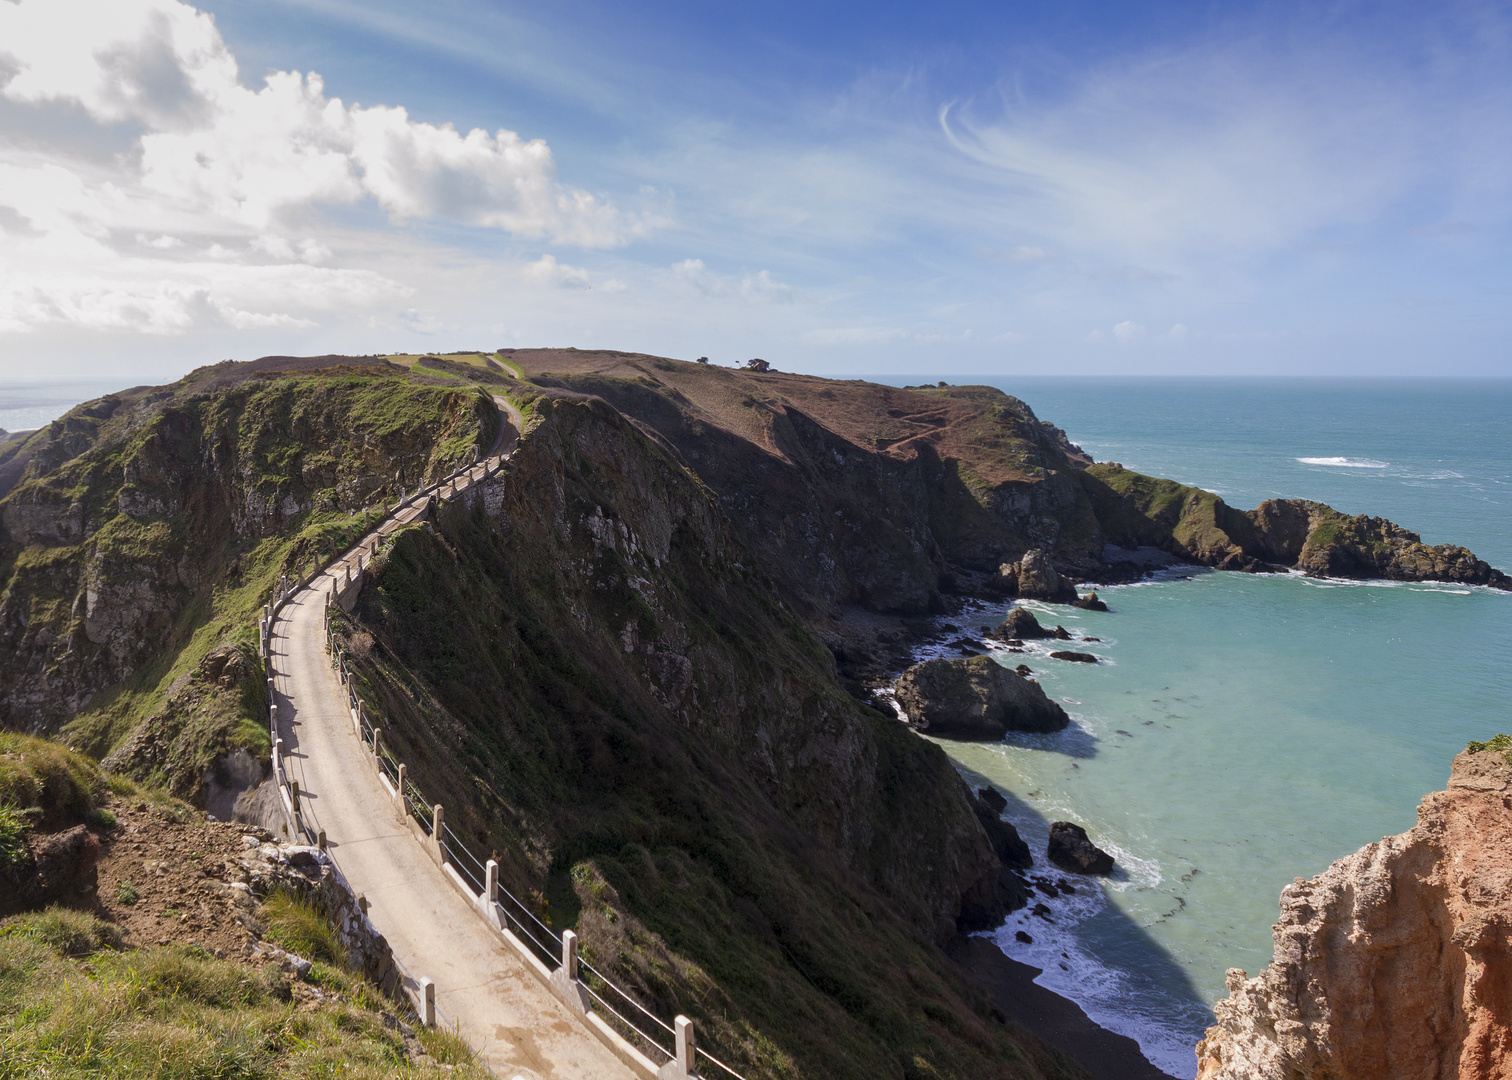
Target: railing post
427 1003
491 882
569 954
399 798
320 840
294 794
437 823
377 744
687 1051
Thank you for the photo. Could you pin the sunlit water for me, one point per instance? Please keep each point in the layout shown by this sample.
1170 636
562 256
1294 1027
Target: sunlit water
1245 730
1242 730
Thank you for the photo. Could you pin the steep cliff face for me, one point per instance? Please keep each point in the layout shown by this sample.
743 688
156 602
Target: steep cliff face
588 660
1396 962
145 521
865 494
1311 536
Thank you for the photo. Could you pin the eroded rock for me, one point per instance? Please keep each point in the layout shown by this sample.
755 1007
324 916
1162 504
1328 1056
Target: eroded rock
975 698
1394 962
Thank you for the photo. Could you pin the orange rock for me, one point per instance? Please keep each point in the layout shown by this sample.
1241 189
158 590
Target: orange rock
1395 963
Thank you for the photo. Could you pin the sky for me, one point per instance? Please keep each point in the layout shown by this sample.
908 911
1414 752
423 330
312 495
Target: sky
848 189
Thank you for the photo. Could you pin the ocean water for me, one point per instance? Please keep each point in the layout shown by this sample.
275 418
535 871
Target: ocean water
29 404
1245 730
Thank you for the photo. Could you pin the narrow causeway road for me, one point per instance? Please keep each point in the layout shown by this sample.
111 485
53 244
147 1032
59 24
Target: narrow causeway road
516 1026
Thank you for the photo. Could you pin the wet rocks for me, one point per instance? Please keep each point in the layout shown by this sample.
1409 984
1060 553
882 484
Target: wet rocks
1070 849
1020 624
1090 602
975 698
1074 657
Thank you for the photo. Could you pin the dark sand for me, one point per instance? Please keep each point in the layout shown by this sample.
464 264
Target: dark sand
1060 1022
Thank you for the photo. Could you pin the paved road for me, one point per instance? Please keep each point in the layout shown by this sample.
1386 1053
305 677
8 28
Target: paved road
519 1029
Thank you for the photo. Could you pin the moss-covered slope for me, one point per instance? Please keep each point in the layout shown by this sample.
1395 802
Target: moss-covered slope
145 528
600 682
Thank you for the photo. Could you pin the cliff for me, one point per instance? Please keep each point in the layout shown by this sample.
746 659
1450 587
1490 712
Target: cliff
1395 962
590 663
1198 526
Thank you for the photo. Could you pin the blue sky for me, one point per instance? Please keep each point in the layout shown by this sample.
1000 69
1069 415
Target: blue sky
845 189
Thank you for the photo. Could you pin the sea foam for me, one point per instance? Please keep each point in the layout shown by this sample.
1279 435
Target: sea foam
1346 462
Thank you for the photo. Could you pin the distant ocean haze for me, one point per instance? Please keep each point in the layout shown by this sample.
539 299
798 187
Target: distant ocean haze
1244 730
29 404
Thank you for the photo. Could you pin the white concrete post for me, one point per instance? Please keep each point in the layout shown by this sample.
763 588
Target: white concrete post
491 882
294 794
427 1003
686 1049
399 798
437 822
569 954
377 744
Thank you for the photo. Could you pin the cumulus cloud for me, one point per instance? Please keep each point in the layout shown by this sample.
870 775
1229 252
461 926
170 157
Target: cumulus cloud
548 270
1128 331
229 171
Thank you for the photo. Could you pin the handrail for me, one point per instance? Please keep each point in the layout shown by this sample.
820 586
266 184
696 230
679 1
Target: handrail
419 810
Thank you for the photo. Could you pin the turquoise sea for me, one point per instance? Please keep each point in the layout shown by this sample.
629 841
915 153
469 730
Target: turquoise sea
1245 730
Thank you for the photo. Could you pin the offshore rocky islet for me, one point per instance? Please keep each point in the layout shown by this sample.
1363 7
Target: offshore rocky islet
726 552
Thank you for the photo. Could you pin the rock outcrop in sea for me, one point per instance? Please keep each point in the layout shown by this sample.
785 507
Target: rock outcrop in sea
1071 849
975 698
1396 961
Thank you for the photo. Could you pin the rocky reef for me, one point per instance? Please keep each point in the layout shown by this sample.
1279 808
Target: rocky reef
1396 961
975 698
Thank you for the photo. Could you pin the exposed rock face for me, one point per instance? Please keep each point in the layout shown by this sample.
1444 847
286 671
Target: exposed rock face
1037 579
1090 602
1196 525
975 698
1075 657
1395 962
1021 624
1070 849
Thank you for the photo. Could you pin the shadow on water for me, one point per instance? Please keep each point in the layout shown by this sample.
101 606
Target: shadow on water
1137 978
1074 741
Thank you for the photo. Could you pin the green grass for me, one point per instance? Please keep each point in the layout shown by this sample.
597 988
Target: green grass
72 933
176 1013
14 822
293 923
37 774
1501 744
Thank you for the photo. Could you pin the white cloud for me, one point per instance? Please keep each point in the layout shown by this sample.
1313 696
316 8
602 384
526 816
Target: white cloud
693 272
548 270
1128 331
228 170
762 286
1177 331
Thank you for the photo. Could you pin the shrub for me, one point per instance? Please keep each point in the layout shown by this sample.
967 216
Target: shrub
1501 744
14 821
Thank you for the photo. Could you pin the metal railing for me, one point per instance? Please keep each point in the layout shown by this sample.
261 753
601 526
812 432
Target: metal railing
623 1013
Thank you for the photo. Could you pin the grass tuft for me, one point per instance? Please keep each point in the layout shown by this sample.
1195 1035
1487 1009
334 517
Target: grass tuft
293 923
70 932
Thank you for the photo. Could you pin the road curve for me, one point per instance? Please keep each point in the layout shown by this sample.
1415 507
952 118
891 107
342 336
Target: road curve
515 1025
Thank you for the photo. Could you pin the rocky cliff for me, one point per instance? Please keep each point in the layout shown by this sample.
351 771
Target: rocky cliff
603 678
142 518
1394 963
